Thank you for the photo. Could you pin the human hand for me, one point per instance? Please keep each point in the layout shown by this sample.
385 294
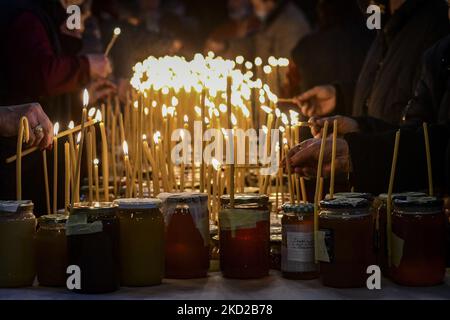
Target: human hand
344 125
304 157
99 66
318 101
41 128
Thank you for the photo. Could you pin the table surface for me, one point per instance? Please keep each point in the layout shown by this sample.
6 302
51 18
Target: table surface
215 287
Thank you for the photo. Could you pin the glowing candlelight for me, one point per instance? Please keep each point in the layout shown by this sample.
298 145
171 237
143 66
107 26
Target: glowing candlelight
116 33
55 168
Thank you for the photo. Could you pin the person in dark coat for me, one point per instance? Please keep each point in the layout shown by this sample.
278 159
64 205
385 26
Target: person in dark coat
370 154
39 62
335 52
392 66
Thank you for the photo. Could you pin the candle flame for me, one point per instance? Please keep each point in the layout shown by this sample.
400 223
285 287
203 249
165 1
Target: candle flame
267 69
265 129
146 111
125 148
285 141
98 116
56 128
154 104
71 125
216 164
85 98
117 31
198 110
144 137
282 129
233 119
278 112
223 108
174 101
91 112
266 109
258 61
164 111
239 59
272 61
96 162
156 137
136 104
248 65
79 138
186 118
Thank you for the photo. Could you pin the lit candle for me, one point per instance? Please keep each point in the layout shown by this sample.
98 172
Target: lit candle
155 173
67 176
97 184
78 163
111 43
105 163
126 160
55 168
89 160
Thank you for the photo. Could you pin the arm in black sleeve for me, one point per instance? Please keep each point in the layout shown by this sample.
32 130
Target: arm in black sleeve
371 156
344 98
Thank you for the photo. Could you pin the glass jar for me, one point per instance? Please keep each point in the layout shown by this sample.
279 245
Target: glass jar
93 245
141 241
187 237
245 236
51 250
297 250
17 247
418 241
275 251
345 242
380 205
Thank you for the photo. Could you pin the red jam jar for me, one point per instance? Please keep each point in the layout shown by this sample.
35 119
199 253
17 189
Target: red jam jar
245 236
51 250
297 248
345 242
380 205
187 237
418 241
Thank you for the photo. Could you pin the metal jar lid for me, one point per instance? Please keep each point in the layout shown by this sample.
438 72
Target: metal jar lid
298 208
13 207
182 197
138 203
95 208
364 195
246 199
53 219
419 202
404 195
344 203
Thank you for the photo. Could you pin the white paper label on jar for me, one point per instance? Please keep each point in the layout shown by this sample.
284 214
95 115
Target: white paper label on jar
397 249
300 246
322 251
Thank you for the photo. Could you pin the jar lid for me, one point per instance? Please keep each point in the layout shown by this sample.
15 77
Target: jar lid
95 208
182 197
9 207
298 208
138 203
421 202
364 195
342 203
53 219
384 196
246 198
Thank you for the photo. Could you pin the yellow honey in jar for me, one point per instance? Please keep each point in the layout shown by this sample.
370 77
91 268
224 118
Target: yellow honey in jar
141 242
17 248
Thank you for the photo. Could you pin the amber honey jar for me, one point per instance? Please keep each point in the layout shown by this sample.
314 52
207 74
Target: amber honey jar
380 205
245 236
17 244
51 250
418 241
345 242
187 237
93 245
297 250
141 241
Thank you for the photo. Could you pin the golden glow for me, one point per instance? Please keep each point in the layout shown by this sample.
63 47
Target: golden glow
117 31
71 125
96 162
56 128
85 98
125 148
